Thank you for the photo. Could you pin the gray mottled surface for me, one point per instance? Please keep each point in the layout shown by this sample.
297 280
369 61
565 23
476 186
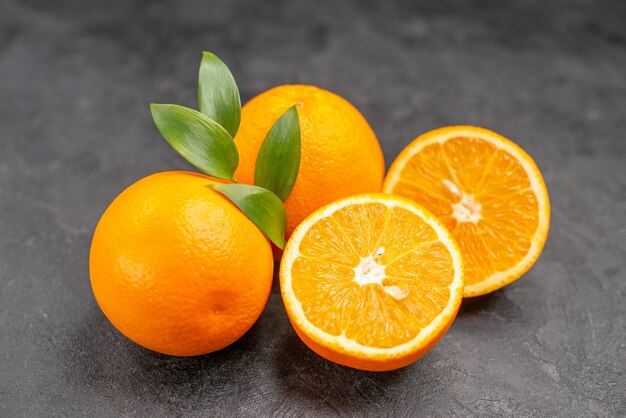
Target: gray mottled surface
75 81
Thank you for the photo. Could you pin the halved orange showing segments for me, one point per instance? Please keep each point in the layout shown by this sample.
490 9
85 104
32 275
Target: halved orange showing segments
487 191
371 281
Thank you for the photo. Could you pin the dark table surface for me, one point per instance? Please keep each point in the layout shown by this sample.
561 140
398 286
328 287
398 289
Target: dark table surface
76 78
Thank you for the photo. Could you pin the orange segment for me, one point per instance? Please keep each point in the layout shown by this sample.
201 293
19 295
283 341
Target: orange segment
371 281
404 233
487 191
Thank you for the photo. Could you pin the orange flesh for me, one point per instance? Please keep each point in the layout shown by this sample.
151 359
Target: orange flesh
496 213
375 274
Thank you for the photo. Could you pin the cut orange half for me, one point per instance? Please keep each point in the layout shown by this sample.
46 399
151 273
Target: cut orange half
487 191
371 281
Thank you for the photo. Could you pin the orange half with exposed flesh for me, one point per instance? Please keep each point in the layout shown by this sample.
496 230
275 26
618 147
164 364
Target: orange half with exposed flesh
371 281
487 191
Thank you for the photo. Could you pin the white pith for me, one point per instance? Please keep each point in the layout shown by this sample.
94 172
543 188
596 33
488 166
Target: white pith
537 185
467 209
369 272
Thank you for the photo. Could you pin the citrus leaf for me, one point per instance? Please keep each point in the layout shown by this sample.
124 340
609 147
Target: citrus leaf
278 160
200 140
218 95
261 206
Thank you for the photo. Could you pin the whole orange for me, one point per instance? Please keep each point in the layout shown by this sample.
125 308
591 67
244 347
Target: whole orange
340 153
177 268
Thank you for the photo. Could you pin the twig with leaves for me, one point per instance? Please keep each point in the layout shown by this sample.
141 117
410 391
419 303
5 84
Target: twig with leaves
205 139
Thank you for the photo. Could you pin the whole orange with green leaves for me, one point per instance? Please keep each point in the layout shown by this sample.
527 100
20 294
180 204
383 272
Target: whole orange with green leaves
341 155
177 267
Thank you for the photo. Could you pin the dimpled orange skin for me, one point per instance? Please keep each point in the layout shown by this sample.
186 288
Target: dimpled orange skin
177 268
341 155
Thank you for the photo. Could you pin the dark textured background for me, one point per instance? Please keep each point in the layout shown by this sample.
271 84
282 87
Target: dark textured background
76 78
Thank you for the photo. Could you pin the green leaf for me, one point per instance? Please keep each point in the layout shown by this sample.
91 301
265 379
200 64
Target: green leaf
200 140
218 95
261 206
278 160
